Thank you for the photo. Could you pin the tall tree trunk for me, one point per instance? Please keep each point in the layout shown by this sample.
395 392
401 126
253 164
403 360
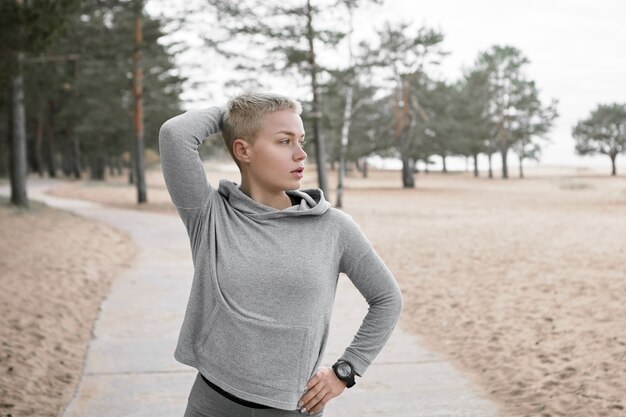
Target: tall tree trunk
613 156
138 92
345 132
489 155
320 147
76 165
347 119
521 157
39 136
505 168
76 156
18 158
72 150
66 160
408 179
4 143
98 167
475 156
31 158
365 168
50 154
443 161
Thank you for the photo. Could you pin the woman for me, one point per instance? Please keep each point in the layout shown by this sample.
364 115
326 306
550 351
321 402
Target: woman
267 257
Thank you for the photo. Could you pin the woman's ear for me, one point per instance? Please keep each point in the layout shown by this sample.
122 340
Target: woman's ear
242 150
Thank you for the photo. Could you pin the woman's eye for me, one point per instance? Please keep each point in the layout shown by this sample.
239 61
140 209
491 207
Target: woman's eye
286 141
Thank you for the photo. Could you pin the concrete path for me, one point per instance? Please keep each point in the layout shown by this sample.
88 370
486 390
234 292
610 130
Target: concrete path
130 370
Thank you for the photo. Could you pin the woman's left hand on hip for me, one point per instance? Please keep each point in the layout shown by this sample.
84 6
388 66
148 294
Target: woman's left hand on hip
322 387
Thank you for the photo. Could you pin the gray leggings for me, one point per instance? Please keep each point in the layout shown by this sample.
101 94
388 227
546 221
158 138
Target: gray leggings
204 401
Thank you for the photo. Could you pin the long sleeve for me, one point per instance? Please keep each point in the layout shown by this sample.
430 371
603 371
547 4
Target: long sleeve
376 283
179 139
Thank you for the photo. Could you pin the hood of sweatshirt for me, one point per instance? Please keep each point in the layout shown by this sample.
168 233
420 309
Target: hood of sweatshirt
308 202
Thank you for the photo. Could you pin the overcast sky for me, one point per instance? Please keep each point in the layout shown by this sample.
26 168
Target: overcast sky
575 47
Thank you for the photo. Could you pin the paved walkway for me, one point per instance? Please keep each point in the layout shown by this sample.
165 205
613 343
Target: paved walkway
130 370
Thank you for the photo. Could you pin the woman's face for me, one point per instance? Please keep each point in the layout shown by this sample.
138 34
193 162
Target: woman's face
277 152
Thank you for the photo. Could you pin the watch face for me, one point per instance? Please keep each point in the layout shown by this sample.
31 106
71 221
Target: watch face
344 369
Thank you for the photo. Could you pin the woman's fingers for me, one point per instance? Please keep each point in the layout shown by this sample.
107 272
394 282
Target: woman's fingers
310 393
323 387
320 405
312 397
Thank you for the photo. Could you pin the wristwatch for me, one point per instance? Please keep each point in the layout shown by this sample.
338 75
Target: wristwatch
345 372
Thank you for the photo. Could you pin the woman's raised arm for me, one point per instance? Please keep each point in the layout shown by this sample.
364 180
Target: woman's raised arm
179 139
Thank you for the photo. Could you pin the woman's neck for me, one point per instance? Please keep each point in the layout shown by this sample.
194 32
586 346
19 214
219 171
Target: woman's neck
278 200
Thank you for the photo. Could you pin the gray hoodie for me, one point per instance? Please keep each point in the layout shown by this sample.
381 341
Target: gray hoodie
258 314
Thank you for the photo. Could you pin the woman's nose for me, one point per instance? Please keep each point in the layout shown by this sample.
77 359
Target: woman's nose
300 154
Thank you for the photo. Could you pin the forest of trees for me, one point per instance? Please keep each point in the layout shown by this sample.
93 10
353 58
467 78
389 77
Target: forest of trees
67 87
80 79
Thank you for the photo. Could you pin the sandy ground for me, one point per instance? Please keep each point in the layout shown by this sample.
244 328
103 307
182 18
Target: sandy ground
521 283
55 269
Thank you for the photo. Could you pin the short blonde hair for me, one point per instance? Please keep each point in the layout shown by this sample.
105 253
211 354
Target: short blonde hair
244 115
